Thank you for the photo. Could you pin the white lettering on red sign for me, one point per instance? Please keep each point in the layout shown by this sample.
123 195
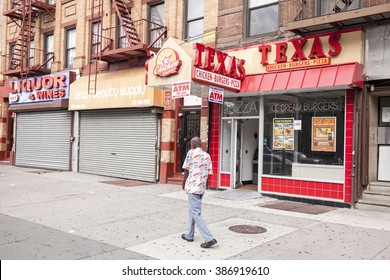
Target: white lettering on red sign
216 79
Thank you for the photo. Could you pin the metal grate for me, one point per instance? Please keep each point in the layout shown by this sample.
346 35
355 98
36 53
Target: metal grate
248 229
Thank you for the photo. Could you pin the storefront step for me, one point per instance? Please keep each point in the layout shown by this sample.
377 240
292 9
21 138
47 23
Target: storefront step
379 187
369 205
376 196
378 192
176 180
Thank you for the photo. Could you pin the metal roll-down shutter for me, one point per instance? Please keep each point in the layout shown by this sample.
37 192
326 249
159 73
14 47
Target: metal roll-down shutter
43 139
119 143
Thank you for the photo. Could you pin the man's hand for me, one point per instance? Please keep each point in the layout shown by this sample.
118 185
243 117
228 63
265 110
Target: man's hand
183 185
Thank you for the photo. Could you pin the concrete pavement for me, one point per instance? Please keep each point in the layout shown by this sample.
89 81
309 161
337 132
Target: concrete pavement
67 215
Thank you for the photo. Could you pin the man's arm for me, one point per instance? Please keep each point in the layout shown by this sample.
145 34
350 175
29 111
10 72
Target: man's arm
184 178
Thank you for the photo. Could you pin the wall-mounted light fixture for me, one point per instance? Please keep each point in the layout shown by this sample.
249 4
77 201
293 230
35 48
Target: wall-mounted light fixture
370 87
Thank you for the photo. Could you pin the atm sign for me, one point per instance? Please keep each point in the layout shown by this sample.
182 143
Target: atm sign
216 94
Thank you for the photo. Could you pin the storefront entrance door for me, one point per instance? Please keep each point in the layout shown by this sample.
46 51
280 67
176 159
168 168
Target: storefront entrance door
190 128
241 144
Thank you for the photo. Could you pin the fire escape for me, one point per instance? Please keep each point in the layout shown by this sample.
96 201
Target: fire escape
130 40
24 60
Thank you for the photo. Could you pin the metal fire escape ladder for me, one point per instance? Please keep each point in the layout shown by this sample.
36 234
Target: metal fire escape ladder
124 14
27 12
339 6
20 58
95 57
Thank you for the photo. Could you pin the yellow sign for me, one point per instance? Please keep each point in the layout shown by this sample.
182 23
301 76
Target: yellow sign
120 89
323 134
298 64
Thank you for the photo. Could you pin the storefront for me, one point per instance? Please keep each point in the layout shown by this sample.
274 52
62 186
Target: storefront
187 90
377 72
42 121
117 129
5 117
301 94
282 119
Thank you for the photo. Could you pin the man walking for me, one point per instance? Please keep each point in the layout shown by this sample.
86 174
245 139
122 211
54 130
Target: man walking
197 168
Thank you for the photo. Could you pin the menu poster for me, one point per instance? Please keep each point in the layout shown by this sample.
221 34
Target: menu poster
283 137
323 134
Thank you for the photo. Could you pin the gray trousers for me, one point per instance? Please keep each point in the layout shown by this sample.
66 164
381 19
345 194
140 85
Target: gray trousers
195 217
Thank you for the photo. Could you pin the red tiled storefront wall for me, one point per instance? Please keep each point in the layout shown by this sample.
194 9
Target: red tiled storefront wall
320 190
215 129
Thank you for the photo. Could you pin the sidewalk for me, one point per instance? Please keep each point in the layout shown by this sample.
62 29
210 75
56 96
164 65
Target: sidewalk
66 215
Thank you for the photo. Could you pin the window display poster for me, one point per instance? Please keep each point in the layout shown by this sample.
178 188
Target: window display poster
283 134
323 137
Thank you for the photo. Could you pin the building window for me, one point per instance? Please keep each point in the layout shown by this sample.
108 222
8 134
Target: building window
156 27
96 36
32 54
332 6
194 20
384 111
123 42
263 17
12 62
304 136
70 52
52 2
49 50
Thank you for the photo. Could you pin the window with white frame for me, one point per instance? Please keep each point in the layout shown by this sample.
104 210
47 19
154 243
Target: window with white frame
70 51
96 36
32 53
263 17
49 50
194 20
156 19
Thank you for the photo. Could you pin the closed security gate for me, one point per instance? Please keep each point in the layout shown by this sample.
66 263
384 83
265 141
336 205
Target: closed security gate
43 139
119 143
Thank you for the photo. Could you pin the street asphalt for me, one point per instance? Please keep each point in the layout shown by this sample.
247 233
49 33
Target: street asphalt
67 216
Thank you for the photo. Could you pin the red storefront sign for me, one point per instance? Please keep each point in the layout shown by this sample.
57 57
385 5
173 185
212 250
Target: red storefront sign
317 56
217 68
42 88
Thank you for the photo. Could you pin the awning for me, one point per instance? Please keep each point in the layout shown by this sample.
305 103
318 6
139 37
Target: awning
326 77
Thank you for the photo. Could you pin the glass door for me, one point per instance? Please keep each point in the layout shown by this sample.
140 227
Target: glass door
236 181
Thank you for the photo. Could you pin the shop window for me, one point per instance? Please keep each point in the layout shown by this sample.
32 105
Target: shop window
49 50
156 23
70 52
194 20
303 134
384 111
263 17
332 6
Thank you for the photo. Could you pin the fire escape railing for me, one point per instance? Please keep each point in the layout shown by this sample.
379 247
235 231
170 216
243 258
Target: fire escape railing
148 33
22 57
